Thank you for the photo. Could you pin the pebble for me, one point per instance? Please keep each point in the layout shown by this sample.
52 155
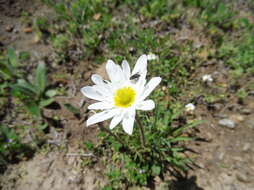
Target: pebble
251 93
217 106
87 75
28 30
237 118
9 28
246 111
250 123
227 123
221 156
246 146
242 177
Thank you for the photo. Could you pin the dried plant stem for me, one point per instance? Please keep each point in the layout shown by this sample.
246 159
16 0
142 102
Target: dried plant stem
142 132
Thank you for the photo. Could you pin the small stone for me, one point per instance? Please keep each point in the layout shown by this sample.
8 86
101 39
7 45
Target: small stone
28 30
221 156
87 75
9 28
250 123
97 16
238 158
251 93
97 169
246 146
237 118
217 106
246 111
227 123
242 177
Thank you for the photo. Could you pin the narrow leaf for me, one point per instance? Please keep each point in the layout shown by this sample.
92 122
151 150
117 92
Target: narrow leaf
178 139
12 57
51 93
191 125
40 78
44 103
71 108
25 88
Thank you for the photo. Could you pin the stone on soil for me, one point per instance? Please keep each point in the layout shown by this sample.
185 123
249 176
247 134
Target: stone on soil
227 123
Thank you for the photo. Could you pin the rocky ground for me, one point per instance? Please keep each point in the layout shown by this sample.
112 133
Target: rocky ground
223 149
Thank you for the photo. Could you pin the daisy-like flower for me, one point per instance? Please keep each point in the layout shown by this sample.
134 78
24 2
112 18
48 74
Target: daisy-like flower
190 107
120 97
207 78
151 56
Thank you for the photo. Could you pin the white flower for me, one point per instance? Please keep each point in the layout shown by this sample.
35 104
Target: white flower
151 56
189 107
207 78
120 97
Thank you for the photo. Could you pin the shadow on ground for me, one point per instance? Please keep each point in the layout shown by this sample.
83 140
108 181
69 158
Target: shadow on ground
185 183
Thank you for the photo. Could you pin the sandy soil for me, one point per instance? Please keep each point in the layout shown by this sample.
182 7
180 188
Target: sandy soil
224 156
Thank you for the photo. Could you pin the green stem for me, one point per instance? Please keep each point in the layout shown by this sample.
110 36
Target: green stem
112 134
142 133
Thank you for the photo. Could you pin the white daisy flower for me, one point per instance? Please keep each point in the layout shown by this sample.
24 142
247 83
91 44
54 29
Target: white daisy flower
207 78
152 56
190 107
120 97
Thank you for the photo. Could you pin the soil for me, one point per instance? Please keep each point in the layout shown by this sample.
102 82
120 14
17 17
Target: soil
224 156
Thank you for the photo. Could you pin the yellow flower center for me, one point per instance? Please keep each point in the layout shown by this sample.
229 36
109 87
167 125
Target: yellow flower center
124 97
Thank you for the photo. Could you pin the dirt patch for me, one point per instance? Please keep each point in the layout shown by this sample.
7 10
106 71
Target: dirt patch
224 153
55 170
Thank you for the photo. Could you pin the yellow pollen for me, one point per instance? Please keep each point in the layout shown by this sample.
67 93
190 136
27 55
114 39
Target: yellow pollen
124 97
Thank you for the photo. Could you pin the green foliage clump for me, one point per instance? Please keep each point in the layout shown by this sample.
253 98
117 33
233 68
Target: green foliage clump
239 54
34 95
133 163
11 148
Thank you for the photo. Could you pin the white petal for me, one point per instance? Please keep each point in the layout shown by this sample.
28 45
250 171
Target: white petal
102 116
116 120
146 105
150 86
97 79
126 69
90 92
114 71
100 106
141 65
128 121
103 89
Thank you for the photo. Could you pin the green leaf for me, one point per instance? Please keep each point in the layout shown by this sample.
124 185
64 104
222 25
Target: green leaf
12 57
71 108
5 71
24 56
41 78
33 108
44 103
24 88
42 126
177 139
191 125
89 145
51 93
156 170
